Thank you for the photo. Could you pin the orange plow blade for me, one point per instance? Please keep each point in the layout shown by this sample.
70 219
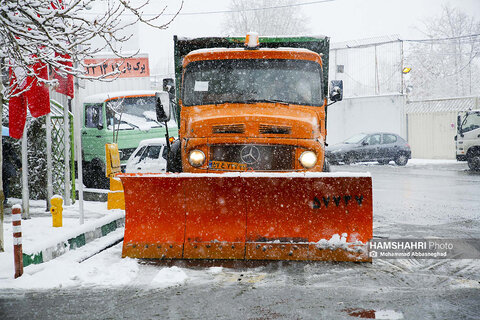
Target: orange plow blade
251 216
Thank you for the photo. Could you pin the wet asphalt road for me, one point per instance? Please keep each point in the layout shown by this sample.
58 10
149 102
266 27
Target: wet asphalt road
419 200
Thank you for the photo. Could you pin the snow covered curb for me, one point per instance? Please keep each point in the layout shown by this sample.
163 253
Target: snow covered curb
82 235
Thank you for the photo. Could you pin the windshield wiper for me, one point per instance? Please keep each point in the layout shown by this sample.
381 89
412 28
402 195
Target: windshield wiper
266 100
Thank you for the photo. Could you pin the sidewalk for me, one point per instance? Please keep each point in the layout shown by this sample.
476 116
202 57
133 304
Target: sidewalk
41 242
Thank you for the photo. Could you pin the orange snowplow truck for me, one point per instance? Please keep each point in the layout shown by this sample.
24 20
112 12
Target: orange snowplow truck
247 175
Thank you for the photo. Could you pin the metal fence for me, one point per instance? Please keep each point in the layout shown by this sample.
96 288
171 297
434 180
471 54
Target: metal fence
368 67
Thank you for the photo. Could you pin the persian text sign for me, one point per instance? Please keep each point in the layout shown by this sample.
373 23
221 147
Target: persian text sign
129 68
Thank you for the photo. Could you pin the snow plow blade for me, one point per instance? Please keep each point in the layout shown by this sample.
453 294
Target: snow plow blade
248 216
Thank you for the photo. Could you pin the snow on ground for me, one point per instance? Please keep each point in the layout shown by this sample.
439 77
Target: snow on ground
38 233
412 162
415 162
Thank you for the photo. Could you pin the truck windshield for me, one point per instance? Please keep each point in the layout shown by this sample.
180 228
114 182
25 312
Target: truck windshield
132 112
253 80
471 122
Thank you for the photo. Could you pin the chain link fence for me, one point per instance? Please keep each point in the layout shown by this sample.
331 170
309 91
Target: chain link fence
368 67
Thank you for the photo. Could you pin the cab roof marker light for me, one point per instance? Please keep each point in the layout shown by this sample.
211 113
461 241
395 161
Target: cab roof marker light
252 41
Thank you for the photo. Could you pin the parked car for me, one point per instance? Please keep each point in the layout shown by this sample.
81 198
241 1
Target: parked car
363 147
150 156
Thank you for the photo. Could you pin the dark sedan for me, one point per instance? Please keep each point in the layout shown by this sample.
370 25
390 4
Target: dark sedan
364 147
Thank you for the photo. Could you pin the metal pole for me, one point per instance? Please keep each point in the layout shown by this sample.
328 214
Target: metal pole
25 192
78 111
66 153
377 84
48 126
17 240
401 68
2 195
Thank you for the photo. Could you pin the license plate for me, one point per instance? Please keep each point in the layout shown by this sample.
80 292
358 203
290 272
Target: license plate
229 166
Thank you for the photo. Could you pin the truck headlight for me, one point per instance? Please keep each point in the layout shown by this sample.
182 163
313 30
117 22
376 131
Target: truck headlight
308 159
196 158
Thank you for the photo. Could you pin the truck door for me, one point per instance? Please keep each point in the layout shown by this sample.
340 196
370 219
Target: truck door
93 143
470 132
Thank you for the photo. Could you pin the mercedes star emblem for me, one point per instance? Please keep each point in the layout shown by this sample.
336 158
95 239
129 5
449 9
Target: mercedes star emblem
250 154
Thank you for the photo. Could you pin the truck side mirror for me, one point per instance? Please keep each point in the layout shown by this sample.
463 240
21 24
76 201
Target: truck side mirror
162 106
336 90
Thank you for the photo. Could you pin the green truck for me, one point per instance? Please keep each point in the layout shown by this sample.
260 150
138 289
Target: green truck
126 118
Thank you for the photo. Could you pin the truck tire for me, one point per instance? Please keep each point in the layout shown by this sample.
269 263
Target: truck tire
94 175
174 159
473 159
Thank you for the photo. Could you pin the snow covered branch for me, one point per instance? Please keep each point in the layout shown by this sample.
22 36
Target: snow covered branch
60 34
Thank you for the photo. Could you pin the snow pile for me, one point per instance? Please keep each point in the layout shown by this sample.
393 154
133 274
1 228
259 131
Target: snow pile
168 277
340 242
61 273
104 269
118 273
139 122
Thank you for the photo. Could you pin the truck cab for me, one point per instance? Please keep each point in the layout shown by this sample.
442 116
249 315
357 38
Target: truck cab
468 138
253 108
125 118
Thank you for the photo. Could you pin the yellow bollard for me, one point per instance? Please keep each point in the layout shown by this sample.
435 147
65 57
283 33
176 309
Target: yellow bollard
56 210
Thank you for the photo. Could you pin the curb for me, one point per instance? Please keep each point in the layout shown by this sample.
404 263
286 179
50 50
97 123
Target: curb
71 244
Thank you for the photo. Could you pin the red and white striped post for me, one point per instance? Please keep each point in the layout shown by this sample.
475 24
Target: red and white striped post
17 240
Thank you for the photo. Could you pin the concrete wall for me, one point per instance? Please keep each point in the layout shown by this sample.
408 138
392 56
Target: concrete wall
430 135
366 114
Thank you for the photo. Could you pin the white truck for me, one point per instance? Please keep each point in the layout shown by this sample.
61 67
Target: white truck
468 138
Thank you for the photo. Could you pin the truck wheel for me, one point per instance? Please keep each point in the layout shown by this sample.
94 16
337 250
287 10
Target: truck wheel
94 176
401 159
474 160
174 159
87 177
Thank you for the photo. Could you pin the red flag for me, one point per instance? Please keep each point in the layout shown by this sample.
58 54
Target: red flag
37 98
65 84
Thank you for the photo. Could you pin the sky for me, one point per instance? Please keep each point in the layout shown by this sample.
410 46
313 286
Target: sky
341 20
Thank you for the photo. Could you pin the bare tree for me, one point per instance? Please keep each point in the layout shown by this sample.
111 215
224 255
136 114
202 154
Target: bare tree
447 63
46 31
267 17
58 35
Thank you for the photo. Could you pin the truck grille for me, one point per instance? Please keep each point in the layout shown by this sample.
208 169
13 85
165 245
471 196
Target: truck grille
272 129
257 157
229 128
